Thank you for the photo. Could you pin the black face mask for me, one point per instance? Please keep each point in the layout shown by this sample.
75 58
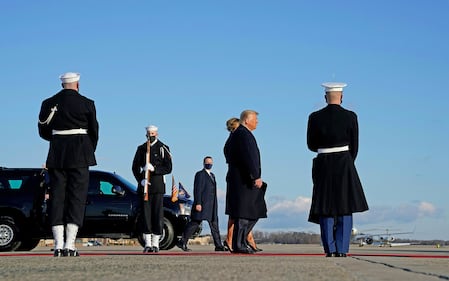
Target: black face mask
152 138
207 166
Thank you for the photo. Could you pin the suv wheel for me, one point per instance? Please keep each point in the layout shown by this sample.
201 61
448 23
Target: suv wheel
168 235
28 244
9 234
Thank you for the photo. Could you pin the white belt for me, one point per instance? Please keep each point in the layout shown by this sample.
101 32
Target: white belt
333 149
70 132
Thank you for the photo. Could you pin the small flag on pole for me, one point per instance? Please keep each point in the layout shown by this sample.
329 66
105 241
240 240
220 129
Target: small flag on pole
182 192
174 190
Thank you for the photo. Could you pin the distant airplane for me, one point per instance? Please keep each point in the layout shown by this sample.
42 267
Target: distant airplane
385 239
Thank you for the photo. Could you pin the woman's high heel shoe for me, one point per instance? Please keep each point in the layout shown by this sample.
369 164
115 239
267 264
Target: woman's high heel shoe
255 249
226 246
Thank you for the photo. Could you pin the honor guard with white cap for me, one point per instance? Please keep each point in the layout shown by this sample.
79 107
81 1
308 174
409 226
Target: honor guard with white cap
333 133
68 121
153 208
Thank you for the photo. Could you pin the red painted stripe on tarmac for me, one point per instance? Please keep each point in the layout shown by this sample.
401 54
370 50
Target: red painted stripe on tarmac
12 254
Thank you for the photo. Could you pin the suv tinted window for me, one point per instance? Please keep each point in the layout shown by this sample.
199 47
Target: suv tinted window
7 182
97 186
4 183
106 187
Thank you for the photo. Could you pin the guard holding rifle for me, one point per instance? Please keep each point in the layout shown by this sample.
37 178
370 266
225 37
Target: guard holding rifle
149 170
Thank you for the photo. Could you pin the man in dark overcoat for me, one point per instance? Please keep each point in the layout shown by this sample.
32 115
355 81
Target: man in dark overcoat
245 186
205 206
160 165
333 133
68 121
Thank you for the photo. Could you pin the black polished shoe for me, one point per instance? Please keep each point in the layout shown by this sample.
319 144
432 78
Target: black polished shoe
243 251
182 246
331 255
147 250
155 249
220 249
341 255
58 253
71 253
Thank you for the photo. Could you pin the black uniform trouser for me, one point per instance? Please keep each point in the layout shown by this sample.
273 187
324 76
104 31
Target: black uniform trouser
68 195
242 228
153 214
193 225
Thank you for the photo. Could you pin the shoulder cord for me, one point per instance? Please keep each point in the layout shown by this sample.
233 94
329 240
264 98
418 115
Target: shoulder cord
50 116
164 148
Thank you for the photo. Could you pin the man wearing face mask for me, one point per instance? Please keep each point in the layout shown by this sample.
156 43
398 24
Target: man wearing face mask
205 206
160 165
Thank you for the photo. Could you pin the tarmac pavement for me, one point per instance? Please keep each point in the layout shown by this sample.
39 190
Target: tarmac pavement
275 262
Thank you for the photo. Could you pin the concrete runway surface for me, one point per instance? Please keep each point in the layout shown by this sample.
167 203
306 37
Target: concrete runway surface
275 262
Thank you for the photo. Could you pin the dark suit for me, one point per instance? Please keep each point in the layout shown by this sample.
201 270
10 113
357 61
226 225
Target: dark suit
205 194
246 203
69 156
337 191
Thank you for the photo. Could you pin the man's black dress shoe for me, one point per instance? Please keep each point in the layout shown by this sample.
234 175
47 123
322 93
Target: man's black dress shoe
220 249
331 255
156 249
341 255
243 251
58 253
182 246
71 253
147 250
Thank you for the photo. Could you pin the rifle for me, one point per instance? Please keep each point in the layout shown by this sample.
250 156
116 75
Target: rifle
147 173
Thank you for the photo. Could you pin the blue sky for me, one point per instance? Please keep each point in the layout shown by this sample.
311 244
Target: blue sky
188 66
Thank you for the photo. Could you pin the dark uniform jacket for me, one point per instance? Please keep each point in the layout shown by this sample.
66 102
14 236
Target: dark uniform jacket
160 158
337 189
205 194
243 156
74 111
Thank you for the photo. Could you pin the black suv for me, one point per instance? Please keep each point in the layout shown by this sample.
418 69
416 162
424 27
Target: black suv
112 210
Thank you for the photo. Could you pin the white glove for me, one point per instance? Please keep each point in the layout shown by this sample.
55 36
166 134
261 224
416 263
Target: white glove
144 182
148 167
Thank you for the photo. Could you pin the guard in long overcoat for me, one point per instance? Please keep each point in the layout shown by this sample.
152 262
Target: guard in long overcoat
68 121
246 202
333 133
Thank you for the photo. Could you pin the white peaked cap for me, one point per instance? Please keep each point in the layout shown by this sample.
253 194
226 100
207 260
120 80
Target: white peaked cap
69 77
334 86
151 128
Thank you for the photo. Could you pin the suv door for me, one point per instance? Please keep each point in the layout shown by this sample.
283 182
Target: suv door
107 211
